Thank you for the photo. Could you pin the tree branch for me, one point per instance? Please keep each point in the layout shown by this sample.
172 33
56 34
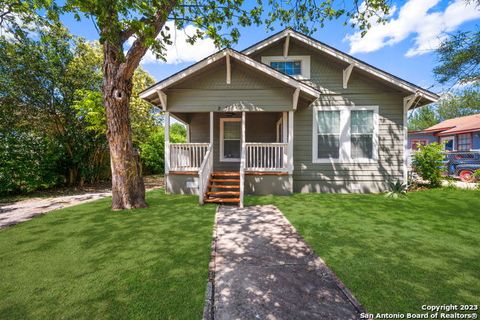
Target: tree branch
139 48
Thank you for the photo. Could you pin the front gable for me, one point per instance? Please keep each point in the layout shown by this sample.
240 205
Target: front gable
334 72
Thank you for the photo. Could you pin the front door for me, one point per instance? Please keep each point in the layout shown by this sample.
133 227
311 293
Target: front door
230 139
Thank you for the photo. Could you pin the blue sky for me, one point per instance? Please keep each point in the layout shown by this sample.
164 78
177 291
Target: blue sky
404 46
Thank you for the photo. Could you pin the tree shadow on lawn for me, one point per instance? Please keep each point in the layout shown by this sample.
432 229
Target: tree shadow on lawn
87 261
394 255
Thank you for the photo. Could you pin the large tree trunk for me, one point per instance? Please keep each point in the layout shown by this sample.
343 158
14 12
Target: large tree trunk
128 189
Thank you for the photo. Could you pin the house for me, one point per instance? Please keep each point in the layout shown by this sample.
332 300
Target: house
288 114
458 134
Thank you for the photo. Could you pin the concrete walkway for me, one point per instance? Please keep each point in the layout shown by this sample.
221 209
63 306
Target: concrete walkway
264 270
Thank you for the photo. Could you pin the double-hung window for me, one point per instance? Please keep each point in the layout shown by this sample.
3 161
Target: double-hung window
345 134
230 139
464 142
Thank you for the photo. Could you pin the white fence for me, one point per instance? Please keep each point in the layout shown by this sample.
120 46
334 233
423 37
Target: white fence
187 156
266 157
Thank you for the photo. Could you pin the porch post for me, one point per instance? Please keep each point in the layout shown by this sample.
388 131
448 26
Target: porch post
290 142
284 126
167 142
242 160
211 128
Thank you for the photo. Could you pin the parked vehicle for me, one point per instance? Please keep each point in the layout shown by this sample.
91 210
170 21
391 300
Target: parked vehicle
462 165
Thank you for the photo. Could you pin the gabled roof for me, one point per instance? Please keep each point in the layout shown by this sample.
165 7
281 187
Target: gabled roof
222 54
339 55
456 125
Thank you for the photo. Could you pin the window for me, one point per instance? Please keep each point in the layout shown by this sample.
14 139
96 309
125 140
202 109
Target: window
361 138
328 134
230 131
464 142
448 142
345 134
294 66
418 142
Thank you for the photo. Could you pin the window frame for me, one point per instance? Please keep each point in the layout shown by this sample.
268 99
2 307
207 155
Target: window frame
222 140
470 141
305 64
446 138
345 135
414 142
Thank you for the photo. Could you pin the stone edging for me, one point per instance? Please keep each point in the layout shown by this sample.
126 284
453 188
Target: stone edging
208 311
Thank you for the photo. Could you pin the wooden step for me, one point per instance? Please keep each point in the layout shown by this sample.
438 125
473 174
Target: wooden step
222 200
225 180
221 186
226 174
223 193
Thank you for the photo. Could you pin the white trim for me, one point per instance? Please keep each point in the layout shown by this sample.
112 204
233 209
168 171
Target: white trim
346 75
290 142
279 130
345 58
163 99
446 138
305 62
238 56
222 122
211 128
286 46
242 159
167 142
229 69
296 94
345 135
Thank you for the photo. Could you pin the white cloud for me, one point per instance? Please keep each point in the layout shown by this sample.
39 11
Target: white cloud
415 18
181 51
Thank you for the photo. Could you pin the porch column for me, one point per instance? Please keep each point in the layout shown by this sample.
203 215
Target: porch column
167 142
242 160
290 142
211 129
284 126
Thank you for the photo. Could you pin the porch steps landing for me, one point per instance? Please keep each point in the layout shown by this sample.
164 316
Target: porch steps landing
223 187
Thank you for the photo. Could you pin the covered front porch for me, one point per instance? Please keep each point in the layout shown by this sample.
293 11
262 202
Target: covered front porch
239 114
225 150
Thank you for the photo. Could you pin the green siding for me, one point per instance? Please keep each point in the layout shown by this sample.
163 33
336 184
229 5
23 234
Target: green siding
249 90
326 75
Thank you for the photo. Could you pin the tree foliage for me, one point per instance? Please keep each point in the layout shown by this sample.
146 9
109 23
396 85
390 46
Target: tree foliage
52 109
455 104
459 58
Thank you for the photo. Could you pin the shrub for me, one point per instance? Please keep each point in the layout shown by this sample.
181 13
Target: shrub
153 150
397 189
427 162
476 176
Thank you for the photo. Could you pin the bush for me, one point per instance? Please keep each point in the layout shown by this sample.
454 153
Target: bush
427 162
27 163
152 152
476 176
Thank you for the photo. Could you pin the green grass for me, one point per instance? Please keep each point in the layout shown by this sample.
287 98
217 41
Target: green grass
394 255
87 262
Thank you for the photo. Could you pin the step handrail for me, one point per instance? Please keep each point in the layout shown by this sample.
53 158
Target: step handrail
204 173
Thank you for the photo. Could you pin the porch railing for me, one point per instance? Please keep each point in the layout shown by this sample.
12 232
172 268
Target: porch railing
204 172
187 156
266 157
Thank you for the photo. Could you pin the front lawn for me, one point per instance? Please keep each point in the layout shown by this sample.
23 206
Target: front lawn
87 262
394 255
